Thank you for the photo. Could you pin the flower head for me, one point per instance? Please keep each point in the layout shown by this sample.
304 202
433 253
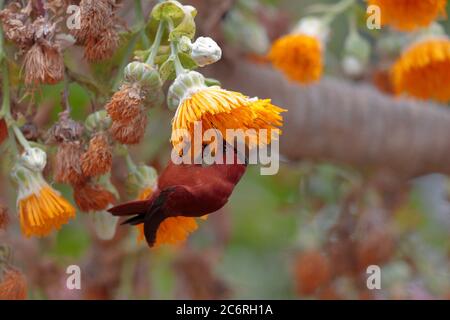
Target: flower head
98 30
407 15
127 107
299 56
97 160
41 208
423 71
92 197
13 285
43 64
218 109
173 230
68 163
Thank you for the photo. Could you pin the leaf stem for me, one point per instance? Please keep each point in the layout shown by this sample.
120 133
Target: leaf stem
156 44
174 53
140 16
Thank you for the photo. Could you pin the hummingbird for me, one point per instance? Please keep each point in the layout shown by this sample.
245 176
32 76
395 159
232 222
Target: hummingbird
188 190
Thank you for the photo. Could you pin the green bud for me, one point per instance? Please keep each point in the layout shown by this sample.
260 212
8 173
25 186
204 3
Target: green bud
143 177
184 85
98 121
357 51
148 78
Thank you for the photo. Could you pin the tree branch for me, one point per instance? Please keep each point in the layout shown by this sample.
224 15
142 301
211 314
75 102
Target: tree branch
348 123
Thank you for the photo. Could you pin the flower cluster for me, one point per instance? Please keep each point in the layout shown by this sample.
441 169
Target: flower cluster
408 15
423 70
43 61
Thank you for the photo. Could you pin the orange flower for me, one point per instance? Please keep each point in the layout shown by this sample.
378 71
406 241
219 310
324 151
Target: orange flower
299 56
13 285
41 209
219 109
97 160
92 197
423 71
173 230
312 271
407 15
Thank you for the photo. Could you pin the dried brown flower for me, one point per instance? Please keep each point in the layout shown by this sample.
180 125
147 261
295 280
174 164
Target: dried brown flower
65 130
15 26
101 47
126 104
13 285
98 32
68 163
43 64
4 218
131 131
97 160
92 197
312 271
127 112
3 130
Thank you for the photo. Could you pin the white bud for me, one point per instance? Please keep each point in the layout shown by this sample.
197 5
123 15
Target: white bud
205 51
105 225
352 66
313 27
34 159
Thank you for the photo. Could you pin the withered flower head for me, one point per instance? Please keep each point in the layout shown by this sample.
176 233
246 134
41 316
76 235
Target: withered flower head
67 163
101 47
129 131
67 134
92 197
127 111
126 104
97 160
43 64
98 32
13 285
15 26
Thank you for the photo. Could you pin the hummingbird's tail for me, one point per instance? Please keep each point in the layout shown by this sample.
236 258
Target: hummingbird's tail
149 212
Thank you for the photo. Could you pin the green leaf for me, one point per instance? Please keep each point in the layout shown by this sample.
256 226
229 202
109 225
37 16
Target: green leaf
167 69
168 10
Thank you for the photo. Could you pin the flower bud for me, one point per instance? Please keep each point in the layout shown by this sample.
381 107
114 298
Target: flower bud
356 54
239 28
143 177
205 51
313 27
185 45
184 85
105 225
144 74
97 121
34 159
